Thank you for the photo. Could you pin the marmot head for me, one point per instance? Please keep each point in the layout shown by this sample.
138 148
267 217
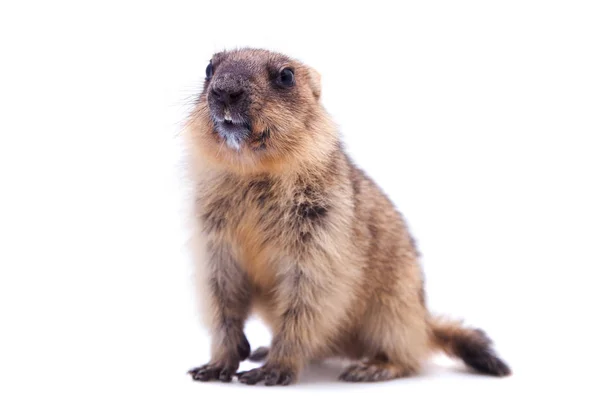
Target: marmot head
259 110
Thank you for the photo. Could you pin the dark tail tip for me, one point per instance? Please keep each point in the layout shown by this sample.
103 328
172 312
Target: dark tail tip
484 360
473 346
476 351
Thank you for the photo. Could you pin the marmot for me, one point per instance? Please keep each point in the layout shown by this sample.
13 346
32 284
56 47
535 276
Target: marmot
291 229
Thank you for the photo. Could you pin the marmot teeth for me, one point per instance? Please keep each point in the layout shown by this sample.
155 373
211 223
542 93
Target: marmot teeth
227 116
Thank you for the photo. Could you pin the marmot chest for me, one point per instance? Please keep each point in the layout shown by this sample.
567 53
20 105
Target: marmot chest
262 220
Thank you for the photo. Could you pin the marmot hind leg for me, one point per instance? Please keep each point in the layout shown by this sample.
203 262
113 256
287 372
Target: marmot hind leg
260 354
396 343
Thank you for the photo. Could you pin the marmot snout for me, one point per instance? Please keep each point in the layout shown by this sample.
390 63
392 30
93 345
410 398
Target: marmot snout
290 229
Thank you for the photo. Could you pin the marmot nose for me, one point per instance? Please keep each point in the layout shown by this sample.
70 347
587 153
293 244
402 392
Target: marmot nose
228 96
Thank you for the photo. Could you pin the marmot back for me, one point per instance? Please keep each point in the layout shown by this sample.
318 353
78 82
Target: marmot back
290 229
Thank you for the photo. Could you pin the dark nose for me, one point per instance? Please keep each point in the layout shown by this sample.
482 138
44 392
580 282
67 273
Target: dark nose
228 95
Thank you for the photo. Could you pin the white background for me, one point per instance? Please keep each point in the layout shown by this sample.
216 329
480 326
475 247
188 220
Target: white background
479 119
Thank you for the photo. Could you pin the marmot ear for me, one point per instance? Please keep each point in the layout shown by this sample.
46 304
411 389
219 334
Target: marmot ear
315 82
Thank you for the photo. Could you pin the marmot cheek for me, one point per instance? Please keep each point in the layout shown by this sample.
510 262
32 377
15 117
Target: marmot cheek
258 127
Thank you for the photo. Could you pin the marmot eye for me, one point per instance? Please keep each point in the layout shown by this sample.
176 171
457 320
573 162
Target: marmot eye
209 70
287 77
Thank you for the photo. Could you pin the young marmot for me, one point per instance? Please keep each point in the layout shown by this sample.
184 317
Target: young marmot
291 229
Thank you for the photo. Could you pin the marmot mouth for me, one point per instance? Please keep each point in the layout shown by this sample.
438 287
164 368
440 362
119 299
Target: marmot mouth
234 133
235 130
234 127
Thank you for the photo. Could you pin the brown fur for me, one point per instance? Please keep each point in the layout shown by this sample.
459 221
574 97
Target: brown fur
291 229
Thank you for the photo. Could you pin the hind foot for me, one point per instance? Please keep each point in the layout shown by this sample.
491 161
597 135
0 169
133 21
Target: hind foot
212 372
260 354
271 374
373 372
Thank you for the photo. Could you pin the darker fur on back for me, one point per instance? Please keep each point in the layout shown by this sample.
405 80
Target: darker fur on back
294 231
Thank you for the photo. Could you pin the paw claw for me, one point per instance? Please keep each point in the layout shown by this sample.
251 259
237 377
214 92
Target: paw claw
286 380
251 377
211 372
226 375
272 378
271 375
